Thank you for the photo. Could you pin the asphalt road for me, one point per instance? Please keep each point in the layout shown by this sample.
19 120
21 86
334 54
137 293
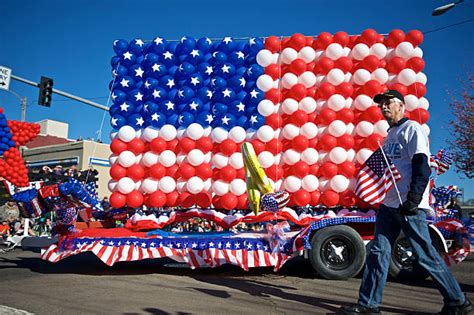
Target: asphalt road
84 285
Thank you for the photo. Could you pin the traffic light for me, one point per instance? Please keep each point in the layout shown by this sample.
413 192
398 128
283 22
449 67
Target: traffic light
45 92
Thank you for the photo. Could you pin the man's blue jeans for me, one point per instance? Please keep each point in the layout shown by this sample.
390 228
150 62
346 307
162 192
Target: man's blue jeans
387 228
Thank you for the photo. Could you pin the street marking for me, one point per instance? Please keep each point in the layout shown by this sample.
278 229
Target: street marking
6 310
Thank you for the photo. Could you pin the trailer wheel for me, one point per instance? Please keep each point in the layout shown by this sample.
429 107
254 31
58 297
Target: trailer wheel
404 264
337 252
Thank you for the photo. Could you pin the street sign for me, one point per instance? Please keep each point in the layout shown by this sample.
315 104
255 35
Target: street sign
5 74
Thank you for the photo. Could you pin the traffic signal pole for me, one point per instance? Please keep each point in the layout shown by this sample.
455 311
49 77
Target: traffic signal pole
62 93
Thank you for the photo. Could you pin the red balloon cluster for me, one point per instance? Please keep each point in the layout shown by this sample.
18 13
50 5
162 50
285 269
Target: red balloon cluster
23 132
13 169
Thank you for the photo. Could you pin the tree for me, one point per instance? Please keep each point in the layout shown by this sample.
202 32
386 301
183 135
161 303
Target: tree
462 129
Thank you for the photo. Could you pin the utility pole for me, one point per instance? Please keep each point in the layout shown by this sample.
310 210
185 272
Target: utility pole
23 108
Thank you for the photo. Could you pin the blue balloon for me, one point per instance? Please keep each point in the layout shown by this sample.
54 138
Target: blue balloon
237 83
207 57
250 85
218 58
128 58
156 119
11 143
254 71
205 69
255 45
157 70
195 81
255 121
120 46
114 61
117 121
181 107
172 70
241 71
226 70
241 46
194 106
150 107
218 82
150 84
225 95
205 119
250 110
206 107
185 119
136 121
205 94
219 109
151 59
226 121
138 108
204 44
113 110
157 94
135 96
173 94
185 93
126 109
242 121
237 108
194 57
137 46
255 96
227 45
171 47
185 69
118 96
237 58
173 120
168 58
186 45
158 45
126 83
121 71
168 107
167 82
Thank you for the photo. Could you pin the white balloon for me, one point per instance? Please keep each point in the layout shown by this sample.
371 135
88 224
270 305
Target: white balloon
426 129
350 129
379 50
334 51
309 130
307 53
361 76
125 185
362 102
339 183
292 184
364 128
421 77
127 158
348 77
323 184
423 103
112 185
405 50
207 185
310 183
265 133
323 157
207 131
149 185
351 155
113 135
288 55
180 158
195 157
335 76
279 185
137 185
290 131
150 158
266 159
126 133
288 80
237 134
319 53
380 75
138 133
195 131
207 157
337 128
406 77
381 127
310 156
264 58
181 186
320 78
348 102
266 108
220 160
220 187
411 102
346 51
276 58
392 78
181 132
338 155
150 133
195 185
167 158
360 51
168 132
167 184
322 130
236 160
363 155
238 187
336 102
418 52
289 106
307 78
219 134
113 159
291 157
308 104
265 82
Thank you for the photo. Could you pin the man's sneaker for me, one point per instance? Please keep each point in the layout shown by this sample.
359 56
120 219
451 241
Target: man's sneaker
465 309
358 309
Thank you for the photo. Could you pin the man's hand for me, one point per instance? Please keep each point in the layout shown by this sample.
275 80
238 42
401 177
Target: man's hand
410 206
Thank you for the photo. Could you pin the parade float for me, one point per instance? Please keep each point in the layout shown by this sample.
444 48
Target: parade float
269 133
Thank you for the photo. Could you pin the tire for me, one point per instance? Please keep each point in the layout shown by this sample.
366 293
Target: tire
404 265
337 252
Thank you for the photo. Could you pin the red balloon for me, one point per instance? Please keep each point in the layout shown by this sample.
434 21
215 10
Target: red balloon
272 43
314 169
309 40
185 199
274 120
374 141
242 202
118 200
204 171
228 173
172 170
117 171
299 118
301 198
323 40
298 41
369 36
298 66
328 170
396 37
187 144
347 169
418 89
396 64
400 88
157 171
315 195
300 143
157 199
344 63
117 146
172 199
136 172
173 145
341 38
298 92
300 169
324 65
273 95
420 115
330 198
216 201
372 114
240 173
370 63
258 146
415 37
310 66
229 201
347 198
137 146
285 43
275 172
274 71
203 199
345 89
158 145
134 199
187 171
417 64
228 147
346 115
327 115
204 144
345 141
275 146
327 142
326 90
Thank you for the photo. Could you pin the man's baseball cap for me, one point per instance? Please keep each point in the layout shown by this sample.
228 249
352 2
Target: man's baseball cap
388 94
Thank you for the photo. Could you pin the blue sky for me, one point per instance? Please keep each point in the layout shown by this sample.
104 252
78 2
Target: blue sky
71 42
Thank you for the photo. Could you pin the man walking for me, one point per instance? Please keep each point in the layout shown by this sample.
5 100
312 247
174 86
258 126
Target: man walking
408 148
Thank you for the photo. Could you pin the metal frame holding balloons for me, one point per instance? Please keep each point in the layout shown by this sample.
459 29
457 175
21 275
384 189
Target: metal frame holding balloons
182 109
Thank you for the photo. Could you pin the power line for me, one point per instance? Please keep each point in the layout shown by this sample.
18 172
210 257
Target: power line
447 26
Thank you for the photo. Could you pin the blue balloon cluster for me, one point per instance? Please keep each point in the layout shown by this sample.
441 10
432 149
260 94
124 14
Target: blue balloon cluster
77 190
190 81
6 141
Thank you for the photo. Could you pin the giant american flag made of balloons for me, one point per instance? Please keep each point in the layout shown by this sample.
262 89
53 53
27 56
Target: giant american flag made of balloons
182 109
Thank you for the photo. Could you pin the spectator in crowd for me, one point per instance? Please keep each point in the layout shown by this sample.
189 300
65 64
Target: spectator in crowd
4 230
19 228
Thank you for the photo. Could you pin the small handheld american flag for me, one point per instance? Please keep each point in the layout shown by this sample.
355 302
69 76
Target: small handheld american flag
376 177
